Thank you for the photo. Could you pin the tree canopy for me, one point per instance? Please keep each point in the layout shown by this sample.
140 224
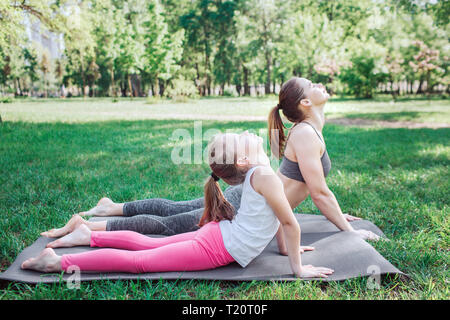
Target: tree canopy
142 47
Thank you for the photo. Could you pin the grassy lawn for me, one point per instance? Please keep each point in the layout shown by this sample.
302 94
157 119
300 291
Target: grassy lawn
237 109
59 157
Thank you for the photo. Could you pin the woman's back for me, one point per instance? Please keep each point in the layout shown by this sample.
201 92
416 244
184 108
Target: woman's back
295 187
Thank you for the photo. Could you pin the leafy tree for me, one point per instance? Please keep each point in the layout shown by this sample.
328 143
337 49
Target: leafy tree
360 77
267 18
79 41
199 26
45 66
162 49
225 53
425 63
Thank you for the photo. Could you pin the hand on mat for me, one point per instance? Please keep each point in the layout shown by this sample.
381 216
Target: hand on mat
306 248
302 249
350 217
367 235
309 271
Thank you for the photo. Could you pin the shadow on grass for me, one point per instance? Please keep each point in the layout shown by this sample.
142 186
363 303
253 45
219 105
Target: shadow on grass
390 116
388 98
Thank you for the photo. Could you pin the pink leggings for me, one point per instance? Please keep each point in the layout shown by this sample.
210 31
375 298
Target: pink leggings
199 250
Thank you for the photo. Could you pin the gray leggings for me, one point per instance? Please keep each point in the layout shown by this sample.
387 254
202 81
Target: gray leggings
167 217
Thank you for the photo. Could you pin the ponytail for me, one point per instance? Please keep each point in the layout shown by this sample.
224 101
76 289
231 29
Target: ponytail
290 96
217 208
277 138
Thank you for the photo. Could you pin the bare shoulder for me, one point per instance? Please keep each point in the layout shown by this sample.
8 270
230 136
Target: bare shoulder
264 179
302 132
303 138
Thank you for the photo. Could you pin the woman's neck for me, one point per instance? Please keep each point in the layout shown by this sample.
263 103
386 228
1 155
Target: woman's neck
316 117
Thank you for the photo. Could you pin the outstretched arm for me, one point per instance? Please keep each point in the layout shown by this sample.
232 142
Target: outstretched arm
308 151
282 245
270 186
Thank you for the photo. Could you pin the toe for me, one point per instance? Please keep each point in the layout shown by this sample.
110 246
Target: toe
26 263
49 232
53 244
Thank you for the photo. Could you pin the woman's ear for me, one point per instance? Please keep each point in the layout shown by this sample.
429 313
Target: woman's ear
242 161
305 103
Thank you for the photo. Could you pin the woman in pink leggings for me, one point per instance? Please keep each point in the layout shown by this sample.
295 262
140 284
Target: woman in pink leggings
223 237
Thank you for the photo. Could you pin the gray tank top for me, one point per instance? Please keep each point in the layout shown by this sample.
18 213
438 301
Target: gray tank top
291 169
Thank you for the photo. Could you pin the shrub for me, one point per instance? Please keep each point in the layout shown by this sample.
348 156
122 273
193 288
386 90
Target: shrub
153 100
181 90
361 78
229 93
6 99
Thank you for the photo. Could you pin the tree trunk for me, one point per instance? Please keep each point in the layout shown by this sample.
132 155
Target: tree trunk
113 85
136 81
429 86
162 87
157 88
130 87
238 89
419 89
392 90
15 87
123 87
19 87
246 85
207 65
45 85
268 67
197 81
83 80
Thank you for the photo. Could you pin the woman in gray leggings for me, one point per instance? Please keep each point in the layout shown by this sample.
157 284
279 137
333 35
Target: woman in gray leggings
305 164
150 216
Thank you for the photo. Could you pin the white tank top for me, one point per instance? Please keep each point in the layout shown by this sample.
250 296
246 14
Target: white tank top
252 228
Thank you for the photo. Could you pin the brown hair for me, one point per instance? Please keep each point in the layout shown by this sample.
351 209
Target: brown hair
217 208
291 93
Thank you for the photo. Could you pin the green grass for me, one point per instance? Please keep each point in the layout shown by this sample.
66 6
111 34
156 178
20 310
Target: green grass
51 168
76 110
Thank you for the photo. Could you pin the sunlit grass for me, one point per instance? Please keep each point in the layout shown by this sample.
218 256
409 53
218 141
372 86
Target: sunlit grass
237 109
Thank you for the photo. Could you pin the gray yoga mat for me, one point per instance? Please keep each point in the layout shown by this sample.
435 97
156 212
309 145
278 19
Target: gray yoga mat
345 252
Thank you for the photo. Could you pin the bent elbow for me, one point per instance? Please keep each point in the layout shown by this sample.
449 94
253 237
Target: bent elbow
318 195
292 226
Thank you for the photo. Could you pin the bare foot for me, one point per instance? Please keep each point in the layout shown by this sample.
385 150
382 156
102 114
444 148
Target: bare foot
47 261
105 207
80 237
70 226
